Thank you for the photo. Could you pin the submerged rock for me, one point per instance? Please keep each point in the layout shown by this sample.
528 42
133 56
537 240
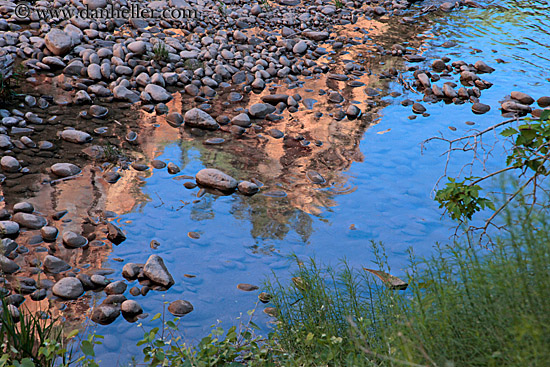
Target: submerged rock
180 308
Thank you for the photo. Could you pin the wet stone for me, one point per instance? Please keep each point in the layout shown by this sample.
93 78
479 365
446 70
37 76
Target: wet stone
9 228
247 287
131 307
111 177
10 164
118 287
49 233
155 270
214 141
131 270
65 169
115 234
98 111
275 133
480 108
214 178
30 221
105 314
180 308
248 188
55 265
172 168
418 108
158 164
74 240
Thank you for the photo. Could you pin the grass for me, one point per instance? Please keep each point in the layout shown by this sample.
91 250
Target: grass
339 4
160 52
463 307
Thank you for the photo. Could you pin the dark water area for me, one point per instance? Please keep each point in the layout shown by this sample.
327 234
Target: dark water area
377 182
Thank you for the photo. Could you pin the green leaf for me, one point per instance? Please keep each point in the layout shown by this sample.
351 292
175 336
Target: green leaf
73 333
87 348
545 115
508 132
27 362
157 316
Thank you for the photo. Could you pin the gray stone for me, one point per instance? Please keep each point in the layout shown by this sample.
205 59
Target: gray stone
30 221
248 188
10 164
155 270
200 119
49 233
523 98
214 178
8 228
123 93
118 287
74 240
58 42
68 288
131 307
75 136
65 169
54 264
241 120
105 314
260 110
8 266
158 93
131 270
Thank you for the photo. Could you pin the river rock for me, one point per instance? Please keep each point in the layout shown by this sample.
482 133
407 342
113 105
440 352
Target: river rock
105 314
131 270
115 234
54 264
9 228
30 221
123 93
241 120
118 287
260 110
180 308
480 108
175 119
511 106
482 67
200 119
68 288
158 93
248 188
8 266
543 101
131 307
10 164
214 178
49 233
138 47
74 240
58 42
75 136
418 108
523 98
155 270
65 169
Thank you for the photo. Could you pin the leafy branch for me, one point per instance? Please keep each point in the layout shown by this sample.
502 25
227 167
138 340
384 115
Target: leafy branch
529 153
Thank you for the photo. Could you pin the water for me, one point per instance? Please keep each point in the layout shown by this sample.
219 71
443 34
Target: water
379 183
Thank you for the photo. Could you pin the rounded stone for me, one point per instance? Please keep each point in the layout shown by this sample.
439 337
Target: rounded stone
131 307
180 308
74 240
68 288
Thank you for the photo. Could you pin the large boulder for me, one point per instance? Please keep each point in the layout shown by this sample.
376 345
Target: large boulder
216 179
